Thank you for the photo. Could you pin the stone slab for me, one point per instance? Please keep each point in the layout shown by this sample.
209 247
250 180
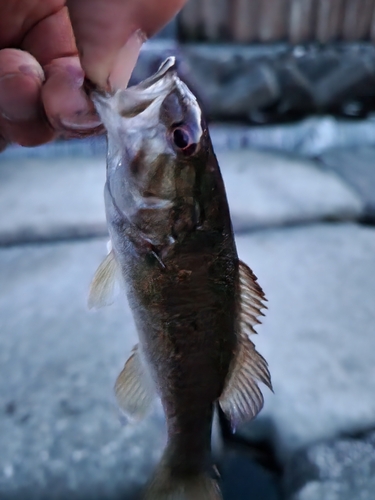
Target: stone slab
356 166
49 198
266 189
309 137
334 470
61 435
318 333
57 198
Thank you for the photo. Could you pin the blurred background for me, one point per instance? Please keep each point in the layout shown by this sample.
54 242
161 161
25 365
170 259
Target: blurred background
289 89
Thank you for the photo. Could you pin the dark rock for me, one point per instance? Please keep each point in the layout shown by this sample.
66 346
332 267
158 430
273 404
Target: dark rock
353 77
239 82
254 89
300 83
313 63
243 479
296 91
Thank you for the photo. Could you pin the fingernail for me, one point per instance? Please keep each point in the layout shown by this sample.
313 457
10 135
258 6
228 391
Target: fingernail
76 75
126 60
80 120
35 72
18 97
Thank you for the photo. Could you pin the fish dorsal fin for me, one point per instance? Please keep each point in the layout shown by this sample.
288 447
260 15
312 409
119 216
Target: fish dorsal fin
242 399
252 299
134 387
102 288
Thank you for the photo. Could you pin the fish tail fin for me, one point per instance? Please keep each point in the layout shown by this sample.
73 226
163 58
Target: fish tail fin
167 485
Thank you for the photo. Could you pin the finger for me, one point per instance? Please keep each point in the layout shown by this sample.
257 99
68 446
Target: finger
67 106
109 33
21 113
18 18
51 38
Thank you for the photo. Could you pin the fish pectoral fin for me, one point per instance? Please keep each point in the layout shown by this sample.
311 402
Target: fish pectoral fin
134 387
102 288
242 399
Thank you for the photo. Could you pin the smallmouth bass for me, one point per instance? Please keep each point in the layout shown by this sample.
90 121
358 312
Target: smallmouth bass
194 303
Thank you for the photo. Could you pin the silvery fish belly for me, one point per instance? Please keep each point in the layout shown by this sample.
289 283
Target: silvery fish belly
195 304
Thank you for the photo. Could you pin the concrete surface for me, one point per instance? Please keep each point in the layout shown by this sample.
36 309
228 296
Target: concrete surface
333 470
318 334
61 433
265 189
62 436
49 198
356 166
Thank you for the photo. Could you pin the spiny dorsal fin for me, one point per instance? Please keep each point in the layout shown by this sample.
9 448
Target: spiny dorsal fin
242 399
252 299
102 288
134 387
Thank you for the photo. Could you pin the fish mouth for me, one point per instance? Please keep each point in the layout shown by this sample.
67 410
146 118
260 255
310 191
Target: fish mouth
168 66
133 100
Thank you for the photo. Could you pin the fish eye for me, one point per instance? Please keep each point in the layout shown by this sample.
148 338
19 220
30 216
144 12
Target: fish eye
183 141
181 138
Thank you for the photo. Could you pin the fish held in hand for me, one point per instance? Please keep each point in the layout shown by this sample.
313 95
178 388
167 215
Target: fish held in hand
195 304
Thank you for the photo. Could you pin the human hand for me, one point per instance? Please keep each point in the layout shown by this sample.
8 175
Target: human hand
41 74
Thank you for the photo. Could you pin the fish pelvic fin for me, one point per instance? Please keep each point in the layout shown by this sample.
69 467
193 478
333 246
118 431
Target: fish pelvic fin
134 388
102 288
241 399
168 486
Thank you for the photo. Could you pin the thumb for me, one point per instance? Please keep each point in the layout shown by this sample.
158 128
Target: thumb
109 34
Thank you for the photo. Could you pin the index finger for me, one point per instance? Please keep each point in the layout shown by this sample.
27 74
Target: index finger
110 33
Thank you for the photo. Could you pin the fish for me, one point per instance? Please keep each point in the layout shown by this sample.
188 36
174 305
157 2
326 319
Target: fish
195 303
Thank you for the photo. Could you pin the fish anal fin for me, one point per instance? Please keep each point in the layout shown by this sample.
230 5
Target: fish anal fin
102 288
134 387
